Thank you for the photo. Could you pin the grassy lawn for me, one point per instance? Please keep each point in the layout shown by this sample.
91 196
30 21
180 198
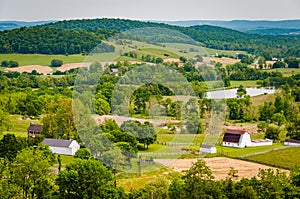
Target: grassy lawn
186 138
285 157
245 84
37 59
18 127
261 99
236 152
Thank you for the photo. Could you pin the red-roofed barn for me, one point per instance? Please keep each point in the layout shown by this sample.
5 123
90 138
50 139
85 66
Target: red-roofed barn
236 138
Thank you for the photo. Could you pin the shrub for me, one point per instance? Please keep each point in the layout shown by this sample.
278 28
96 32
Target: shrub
12 64
56 63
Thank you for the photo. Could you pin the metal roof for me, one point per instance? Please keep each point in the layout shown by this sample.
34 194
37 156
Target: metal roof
35 127
235 131
57 142
292 141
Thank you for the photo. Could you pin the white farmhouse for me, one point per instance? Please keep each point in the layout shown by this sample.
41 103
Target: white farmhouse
208 149
292 142
63 147
236 138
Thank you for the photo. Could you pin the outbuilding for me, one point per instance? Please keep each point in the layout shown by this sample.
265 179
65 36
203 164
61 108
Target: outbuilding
292 142
63 147
34 130
208 149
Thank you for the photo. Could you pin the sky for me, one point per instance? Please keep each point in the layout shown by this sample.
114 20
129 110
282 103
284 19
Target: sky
164 10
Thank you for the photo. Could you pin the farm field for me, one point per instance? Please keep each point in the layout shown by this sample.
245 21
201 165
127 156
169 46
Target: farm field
287 157
37 59
237 152
220 166
18 126
287 72
261 99
245 84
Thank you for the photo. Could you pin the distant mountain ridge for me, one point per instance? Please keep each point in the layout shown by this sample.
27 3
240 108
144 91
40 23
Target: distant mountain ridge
9 25
245 25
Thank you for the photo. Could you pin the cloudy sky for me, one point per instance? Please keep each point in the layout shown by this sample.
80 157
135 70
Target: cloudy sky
35 10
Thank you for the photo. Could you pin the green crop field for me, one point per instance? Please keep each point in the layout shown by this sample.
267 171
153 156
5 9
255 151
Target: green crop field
285 157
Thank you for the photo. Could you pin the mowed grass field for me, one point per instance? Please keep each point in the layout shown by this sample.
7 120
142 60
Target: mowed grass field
261 99
287 72
18 127
37 59
245 84
287 157
236 152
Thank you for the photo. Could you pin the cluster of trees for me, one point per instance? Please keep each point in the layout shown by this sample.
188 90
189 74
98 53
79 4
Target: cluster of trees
281 81
10 64
291 62
240 109
241 71
56 63
26 172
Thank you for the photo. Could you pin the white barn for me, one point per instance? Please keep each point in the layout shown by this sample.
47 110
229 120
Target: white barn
241 139
236 138
63 147
208 149
292 142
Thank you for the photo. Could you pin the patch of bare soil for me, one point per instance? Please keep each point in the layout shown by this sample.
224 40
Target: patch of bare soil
66 67
219 166
225 60
40 69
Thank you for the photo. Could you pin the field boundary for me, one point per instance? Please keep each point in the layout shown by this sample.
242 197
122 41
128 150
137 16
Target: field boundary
263 152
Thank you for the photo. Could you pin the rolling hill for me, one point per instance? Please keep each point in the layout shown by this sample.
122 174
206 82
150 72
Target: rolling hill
100 29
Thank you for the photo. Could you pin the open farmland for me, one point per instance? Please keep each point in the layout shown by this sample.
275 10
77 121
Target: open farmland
40 69
288 157
220 166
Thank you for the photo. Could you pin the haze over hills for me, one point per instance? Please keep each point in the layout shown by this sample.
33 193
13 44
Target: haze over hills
264 27
284 27
8 25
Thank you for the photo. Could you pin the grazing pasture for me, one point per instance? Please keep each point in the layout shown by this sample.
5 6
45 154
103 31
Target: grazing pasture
287 157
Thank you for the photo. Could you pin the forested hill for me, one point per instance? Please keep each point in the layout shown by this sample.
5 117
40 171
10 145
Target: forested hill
98 29
46 40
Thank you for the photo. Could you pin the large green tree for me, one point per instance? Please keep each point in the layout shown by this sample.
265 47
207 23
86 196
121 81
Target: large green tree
87 179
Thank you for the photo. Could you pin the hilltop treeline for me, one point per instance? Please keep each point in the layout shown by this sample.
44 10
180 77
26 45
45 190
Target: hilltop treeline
48 40
209 36
77 36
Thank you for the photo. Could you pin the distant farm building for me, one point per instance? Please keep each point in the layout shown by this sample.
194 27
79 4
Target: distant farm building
241 139
292 142
114 71
63 147
208 149
34 130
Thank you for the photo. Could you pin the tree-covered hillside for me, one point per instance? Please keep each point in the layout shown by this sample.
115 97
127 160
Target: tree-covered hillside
46 40
95 30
